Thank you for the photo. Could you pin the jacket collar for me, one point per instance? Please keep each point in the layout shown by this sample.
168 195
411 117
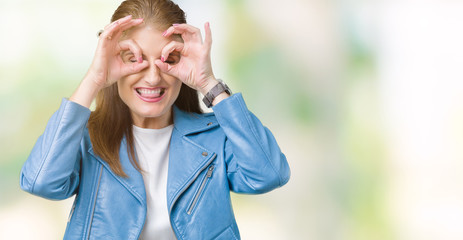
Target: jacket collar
182 171
189 123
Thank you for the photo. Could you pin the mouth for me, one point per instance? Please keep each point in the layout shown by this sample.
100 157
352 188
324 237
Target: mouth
150 94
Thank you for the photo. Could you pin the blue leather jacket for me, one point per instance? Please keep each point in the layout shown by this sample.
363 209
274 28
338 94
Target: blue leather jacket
210 155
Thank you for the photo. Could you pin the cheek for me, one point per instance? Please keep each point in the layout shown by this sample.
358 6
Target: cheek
176 87
178 84
174 83
125 84
124 89
120 87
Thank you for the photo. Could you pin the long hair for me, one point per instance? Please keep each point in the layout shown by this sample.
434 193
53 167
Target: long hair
111 120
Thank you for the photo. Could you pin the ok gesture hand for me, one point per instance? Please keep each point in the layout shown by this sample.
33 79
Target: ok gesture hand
194 68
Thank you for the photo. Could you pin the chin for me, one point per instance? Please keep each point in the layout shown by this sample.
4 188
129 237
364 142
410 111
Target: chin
152 111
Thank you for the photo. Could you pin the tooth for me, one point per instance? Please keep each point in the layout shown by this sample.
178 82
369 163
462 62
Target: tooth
151 91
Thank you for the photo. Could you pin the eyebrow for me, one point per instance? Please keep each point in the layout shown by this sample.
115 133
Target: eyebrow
126 52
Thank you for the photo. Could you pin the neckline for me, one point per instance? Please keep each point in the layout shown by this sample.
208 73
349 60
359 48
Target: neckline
152 130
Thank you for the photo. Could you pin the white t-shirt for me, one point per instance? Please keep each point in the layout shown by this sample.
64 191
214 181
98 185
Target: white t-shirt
152 148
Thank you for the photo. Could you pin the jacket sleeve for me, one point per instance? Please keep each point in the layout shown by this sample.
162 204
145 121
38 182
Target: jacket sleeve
52 168
255 162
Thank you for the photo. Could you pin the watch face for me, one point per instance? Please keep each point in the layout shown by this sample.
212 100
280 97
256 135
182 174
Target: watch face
225 86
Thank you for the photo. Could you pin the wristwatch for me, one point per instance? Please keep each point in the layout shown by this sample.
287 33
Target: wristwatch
215 91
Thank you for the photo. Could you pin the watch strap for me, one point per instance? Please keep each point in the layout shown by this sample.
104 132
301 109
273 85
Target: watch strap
214 92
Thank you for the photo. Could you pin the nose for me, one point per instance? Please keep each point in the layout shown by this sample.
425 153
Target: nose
153 75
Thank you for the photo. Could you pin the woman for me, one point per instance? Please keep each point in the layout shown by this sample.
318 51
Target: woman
147 164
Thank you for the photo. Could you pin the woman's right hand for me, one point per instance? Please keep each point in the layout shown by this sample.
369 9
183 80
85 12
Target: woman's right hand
107 66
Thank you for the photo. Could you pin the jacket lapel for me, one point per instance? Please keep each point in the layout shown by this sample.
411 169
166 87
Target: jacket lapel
187 158
134 182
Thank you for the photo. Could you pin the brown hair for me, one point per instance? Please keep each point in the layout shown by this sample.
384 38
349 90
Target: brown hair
111 120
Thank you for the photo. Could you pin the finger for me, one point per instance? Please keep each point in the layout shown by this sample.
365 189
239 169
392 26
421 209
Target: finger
169 48
207 35
188 32
108 29
118 21
115 29
133 47
127 25
132 68
166 68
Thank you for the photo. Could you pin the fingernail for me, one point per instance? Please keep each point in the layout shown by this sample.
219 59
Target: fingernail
140 59
164 33
128 16
162 59
175 24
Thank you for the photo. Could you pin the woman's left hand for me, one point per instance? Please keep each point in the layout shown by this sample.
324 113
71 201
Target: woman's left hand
194 67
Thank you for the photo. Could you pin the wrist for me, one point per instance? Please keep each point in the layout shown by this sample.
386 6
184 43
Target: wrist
85 93
219 98
209 84
216 92
94 81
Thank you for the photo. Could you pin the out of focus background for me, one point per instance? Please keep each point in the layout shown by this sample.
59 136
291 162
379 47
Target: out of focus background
364 97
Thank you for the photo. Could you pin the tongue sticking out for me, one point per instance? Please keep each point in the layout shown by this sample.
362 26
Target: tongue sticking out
150 93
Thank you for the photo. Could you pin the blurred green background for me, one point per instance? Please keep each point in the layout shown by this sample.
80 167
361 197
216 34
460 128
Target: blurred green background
364 97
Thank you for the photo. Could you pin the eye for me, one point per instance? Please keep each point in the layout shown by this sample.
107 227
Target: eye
128 57
173 59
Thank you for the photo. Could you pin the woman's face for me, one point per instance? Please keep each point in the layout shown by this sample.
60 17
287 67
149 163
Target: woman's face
150 93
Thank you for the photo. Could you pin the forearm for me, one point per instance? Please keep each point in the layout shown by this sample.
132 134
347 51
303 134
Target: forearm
261 164
86 92
52 168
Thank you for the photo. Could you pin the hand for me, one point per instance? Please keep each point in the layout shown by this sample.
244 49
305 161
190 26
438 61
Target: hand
194 68
107 66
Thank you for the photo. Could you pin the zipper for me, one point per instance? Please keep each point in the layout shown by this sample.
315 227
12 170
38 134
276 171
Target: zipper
94 203
200 190
174 227
186 187
72 210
